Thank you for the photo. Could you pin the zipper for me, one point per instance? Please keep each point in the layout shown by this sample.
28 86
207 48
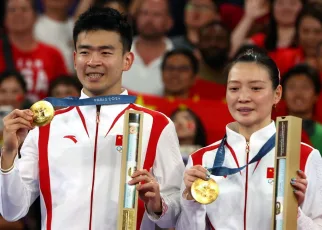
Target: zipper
246 184
98 109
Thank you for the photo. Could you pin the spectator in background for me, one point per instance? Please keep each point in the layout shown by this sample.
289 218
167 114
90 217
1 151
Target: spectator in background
308 36
13 89
214 47
253 10
179 71
302 87
118 5
191 132
65 86
281 30
54 27
196 14
37 62
153 22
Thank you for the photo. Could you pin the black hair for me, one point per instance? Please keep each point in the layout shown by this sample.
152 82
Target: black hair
260 58
101 3
215 23
246 47
200 136
306 70
270 42
17 76
108 19
313 10
217 4
187 53
65 80
32 2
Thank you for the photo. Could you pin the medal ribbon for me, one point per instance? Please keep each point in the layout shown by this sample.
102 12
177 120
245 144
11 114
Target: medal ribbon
101 100
219 170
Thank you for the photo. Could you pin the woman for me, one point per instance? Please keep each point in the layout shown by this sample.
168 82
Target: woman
190 130
302 87
245 199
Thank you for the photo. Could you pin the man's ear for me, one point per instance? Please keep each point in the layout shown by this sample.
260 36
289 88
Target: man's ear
128 61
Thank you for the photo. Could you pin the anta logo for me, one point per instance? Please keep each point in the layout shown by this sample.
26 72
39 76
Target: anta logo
72 137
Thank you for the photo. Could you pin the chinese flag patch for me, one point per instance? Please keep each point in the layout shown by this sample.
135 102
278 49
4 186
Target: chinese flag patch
270 173
119 140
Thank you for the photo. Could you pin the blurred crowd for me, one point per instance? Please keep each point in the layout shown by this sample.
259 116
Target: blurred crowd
181 49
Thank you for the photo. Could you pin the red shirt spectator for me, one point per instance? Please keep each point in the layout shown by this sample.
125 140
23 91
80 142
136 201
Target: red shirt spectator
39 67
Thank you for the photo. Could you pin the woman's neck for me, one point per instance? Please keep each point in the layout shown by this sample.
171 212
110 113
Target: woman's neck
285 36
247 131
186 141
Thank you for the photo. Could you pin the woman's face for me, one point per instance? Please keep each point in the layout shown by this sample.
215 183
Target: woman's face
310 35
11 93
250 95
299 94
185 125
286 11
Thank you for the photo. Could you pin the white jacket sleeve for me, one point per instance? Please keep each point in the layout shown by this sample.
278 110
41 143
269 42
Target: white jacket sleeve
20 187
193 214
168 170
310 212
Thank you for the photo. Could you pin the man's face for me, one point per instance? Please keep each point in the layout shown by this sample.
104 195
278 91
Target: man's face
177 74
214 45
153 20
99 62
57 4
20 16
200 12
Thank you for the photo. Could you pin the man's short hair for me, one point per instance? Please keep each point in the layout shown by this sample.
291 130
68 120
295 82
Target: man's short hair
32 2
187 53
108 19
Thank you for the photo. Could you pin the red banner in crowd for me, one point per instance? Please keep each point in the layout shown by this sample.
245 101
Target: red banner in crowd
213 114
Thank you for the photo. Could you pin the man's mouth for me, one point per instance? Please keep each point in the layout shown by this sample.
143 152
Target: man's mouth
94 75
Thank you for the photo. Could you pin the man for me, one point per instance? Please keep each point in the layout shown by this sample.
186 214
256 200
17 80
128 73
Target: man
153 22
196 14
179 70
54 27
37 62
75 160
214 48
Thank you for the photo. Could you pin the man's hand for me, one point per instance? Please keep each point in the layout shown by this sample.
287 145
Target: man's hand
16 127
148 188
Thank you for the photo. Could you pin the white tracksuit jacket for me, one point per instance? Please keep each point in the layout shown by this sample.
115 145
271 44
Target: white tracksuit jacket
74 165
245 198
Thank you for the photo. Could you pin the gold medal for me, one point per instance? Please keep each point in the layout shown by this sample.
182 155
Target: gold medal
43 113
205 191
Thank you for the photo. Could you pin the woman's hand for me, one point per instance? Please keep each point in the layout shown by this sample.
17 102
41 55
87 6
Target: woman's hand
193 174
299 184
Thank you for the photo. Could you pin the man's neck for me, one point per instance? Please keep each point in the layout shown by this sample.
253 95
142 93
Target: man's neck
216 74
192 36
155 47
23 41
181 95
56 15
